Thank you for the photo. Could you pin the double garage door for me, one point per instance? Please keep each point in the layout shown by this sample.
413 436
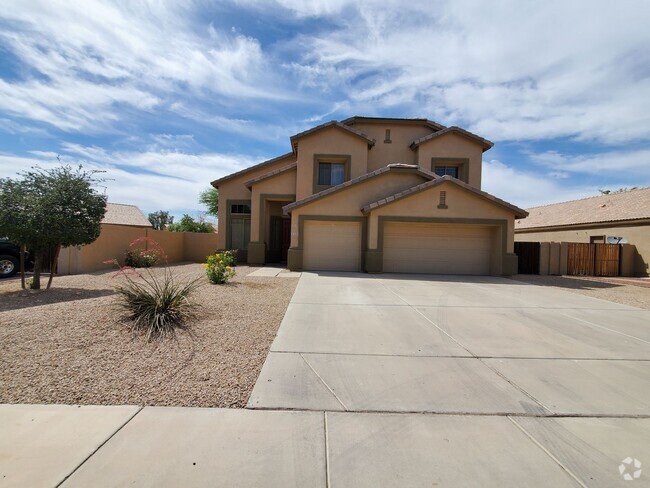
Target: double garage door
437 248
408 247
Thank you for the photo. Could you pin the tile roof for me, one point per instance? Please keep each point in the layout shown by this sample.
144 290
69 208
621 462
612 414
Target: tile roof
216 183
333 123
484 142
359 179
270 174
120 214
357 119
519 213
628 205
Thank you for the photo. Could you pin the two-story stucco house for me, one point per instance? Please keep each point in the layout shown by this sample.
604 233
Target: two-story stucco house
371 194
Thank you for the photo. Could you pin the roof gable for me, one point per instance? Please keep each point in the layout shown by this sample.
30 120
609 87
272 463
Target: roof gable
628 205
329 125
453 130
360 179
519 213
391 120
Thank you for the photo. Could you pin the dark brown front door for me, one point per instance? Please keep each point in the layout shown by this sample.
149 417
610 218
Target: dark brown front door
280 238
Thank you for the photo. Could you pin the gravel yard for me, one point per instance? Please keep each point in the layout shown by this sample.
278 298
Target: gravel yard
615 290
64 345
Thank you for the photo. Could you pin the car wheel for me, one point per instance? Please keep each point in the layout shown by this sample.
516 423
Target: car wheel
8 266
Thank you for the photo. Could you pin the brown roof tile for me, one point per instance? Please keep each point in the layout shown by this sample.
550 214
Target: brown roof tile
120 214
519 213
484 142
216 183
392 120
628 205
271 174
359 179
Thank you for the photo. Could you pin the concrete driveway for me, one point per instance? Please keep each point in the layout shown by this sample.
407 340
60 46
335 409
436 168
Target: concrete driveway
383 381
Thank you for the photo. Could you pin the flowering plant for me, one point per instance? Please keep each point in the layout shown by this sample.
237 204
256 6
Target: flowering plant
143 252
218 268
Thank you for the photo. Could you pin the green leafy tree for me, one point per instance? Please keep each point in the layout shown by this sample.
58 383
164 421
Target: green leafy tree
210 198
188 224
49 209
160 219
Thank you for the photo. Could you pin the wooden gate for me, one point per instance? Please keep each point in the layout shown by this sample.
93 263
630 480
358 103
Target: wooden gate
607 259
528 254
593 259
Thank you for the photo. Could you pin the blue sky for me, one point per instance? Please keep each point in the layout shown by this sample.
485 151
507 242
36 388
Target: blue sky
167 96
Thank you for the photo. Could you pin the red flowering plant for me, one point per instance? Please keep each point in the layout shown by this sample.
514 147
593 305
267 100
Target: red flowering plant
144 252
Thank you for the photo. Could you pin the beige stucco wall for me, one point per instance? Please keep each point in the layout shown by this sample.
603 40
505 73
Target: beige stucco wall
235 189
638 235
453 146
348 202
328 141
461 204
114 240
283 184
398 150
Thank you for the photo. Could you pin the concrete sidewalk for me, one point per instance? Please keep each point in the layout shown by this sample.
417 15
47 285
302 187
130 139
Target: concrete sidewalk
54 445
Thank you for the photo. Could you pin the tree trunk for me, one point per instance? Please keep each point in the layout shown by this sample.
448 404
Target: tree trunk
23 250
38 263
54 260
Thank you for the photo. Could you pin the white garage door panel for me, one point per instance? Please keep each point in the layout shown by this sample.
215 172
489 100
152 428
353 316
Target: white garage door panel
437 248
332 246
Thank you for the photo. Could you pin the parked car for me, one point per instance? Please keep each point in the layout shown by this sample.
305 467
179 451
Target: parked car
10 259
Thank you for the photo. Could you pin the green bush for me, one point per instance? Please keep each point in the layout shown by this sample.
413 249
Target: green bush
155 306
218 267
143 252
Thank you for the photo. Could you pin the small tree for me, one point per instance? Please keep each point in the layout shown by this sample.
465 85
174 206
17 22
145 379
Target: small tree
50 209
160 219
210 198
188 224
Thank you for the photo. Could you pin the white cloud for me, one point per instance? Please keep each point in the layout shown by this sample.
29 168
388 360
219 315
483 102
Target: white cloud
135 54
630 165
527 189
152 180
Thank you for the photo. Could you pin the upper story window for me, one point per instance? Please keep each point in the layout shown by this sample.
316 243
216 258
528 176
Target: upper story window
331 173
447 171
240 208
330 170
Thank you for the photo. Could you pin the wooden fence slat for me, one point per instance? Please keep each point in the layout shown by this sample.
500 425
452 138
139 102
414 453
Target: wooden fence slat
593 259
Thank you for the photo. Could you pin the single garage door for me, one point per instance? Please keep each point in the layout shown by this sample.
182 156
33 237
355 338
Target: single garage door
331 246
437 248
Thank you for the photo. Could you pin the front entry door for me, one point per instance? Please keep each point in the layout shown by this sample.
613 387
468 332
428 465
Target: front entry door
280 239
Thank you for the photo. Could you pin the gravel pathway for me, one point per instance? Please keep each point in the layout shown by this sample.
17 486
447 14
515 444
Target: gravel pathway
64 346
608 289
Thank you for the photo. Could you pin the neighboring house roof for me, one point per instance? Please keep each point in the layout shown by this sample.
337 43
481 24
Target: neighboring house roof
519 213
359 179
120 214
614 207
327 125
391 120
216 183
457 130
270 174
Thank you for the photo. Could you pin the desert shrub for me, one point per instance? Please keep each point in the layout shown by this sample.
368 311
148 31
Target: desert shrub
218 268
230 257
156 306
144 252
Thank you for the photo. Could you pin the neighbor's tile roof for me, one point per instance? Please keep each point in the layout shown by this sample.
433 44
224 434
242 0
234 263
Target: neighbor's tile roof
391 167
484 142
519 213
629 205
120 214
